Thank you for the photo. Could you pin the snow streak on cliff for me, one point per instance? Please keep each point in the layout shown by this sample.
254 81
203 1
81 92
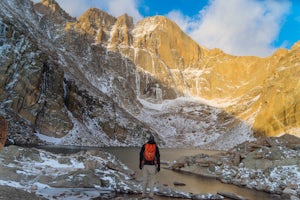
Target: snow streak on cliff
104 81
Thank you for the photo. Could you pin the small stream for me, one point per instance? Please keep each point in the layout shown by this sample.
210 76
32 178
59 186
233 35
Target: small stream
193 183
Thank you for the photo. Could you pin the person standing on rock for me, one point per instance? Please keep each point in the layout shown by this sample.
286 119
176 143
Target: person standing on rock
150 165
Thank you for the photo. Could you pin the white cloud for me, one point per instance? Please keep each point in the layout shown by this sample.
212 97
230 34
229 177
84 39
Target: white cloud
120 7
238 27
181 20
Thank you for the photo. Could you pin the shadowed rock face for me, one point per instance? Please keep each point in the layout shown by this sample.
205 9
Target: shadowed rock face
57 71
31 84
44 88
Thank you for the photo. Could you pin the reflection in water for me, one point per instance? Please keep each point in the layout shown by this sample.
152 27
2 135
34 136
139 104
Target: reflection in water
194 184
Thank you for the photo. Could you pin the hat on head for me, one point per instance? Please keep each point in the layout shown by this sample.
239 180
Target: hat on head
151 138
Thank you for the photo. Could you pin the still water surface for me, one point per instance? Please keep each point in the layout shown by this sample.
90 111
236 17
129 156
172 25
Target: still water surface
193 183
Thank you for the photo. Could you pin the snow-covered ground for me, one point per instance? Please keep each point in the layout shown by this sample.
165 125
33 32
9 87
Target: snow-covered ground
83 175
180 122
188 121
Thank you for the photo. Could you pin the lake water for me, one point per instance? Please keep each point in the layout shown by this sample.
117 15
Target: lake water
193 183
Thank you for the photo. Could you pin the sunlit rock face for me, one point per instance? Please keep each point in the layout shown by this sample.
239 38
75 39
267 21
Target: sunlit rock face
105 80
262 91
280 98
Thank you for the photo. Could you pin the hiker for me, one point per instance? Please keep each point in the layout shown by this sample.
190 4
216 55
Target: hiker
150 164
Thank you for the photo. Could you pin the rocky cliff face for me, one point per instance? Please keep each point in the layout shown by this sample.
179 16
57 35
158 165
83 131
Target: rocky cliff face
44 88
101 80
261 91
279 100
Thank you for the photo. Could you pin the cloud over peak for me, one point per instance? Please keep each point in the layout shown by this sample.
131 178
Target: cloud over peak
238 27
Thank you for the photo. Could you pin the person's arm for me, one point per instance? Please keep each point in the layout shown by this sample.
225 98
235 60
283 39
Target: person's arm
141 156
158 158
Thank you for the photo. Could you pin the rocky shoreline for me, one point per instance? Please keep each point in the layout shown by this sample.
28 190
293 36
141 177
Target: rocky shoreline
268 164
31 173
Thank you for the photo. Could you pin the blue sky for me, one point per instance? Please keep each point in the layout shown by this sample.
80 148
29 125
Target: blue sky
238 27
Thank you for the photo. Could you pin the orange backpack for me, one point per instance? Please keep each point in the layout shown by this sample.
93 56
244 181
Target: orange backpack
149 153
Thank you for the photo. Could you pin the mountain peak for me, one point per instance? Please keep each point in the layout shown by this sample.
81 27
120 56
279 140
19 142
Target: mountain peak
95 14
163 38
52 8
149 24
96 23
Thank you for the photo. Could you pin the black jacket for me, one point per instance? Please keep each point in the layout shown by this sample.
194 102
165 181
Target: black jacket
157 155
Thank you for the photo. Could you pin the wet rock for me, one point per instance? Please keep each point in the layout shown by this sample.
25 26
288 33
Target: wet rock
176 183
168 192
232 195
